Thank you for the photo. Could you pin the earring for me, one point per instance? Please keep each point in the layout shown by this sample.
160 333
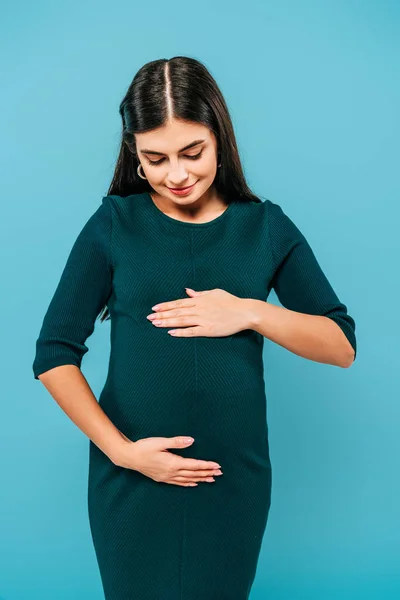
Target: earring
138 172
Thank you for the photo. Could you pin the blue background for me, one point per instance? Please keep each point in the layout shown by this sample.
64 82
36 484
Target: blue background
313 91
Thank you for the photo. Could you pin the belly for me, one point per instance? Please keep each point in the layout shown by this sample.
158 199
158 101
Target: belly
209 388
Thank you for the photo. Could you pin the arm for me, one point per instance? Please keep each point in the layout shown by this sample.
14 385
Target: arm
84 288
70 389
312 323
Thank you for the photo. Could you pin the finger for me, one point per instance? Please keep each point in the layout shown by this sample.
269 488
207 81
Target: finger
175 321
187 332
207 479
168 314
181 302
196 464
199 293
189 484
205 473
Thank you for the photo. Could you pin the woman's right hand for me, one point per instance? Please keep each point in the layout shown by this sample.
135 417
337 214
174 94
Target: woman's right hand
151 457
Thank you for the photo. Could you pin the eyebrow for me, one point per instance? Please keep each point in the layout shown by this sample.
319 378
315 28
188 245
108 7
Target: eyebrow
195 143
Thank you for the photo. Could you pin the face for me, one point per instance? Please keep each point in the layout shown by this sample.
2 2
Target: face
178 155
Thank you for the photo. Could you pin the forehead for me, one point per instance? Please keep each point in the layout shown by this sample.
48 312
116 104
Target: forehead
172 136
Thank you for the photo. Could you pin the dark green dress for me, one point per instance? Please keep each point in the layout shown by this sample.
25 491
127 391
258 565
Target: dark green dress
157 541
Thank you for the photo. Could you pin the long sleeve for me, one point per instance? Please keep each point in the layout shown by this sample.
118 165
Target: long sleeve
299 282
83 289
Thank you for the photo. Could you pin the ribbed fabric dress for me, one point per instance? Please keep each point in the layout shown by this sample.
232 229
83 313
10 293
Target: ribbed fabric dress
157 541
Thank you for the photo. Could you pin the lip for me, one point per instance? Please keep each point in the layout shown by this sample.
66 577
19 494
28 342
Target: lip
182 191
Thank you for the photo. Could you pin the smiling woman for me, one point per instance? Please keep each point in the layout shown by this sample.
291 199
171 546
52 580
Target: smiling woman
154 537
175 172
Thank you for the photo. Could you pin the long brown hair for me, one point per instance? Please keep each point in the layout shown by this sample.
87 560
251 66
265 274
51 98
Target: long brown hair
184 87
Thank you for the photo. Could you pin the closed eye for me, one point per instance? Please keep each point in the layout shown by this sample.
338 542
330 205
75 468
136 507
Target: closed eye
158 162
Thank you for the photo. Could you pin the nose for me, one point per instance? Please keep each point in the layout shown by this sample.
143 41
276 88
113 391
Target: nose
177 176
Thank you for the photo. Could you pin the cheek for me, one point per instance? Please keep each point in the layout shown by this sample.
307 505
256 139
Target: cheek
207 168
156 177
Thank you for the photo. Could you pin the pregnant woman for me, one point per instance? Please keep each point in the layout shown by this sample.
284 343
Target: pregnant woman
181 256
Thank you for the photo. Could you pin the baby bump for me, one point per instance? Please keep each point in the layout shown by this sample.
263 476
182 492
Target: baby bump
158 384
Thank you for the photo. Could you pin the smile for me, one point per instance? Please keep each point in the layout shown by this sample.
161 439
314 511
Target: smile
181 191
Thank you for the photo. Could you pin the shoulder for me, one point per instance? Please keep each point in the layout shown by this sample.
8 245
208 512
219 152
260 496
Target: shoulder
269 221
252 210
269 216
124 206
264 209
275 213
280 225
100 220
97 228
116 201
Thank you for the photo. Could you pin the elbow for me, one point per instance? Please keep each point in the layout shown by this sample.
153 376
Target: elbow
345 345
348 356
348 360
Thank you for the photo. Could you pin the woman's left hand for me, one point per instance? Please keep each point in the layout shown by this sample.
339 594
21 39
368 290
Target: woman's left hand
209 313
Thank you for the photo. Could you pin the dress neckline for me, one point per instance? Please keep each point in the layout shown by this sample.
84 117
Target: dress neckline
177 222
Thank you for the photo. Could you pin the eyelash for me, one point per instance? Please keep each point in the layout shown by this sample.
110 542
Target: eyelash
158 162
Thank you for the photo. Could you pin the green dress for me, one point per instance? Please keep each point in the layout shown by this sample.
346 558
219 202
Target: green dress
153 540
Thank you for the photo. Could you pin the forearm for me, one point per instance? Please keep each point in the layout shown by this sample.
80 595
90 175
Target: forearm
314 337
70 389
